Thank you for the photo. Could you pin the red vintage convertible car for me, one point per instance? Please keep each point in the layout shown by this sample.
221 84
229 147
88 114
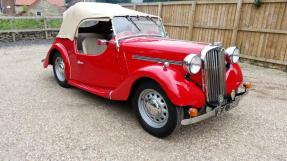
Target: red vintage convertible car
122 54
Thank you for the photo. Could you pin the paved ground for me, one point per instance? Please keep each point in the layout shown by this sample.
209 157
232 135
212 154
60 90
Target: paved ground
41 121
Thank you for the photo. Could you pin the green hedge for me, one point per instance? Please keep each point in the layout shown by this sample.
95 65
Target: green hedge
29 24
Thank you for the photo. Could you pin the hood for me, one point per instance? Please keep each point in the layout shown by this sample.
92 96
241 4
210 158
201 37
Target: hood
161 47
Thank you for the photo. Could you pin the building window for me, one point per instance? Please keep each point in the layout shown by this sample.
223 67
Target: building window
39 13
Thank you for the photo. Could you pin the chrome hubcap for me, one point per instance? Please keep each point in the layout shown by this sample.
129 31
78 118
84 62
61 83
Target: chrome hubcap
60 69
153 108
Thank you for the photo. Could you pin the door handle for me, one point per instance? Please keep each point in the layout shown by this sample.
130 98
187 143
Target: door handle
80 62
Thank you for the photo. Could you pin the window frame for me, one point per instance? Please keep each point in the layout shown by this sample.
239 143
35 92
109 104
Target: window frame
117 40
39 12
77 34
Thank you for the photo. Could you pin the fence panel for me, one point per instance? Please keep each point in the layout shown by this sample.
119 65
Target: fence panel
152 9
259 31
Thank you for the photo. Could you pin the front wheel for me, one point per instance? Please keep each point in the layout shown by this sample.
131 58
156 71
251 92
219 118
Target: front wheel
157 115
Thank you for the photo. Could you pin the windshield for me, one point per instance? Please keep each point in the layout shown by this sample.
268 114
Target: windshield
136 26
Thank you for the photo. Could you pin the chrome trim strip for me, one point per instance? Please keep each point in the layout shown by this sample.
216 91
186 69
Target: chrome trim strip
158 60
110 95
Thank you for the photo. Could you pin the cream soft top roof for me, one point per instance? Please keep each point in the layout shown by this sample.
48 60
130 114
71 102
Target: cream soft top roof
83 10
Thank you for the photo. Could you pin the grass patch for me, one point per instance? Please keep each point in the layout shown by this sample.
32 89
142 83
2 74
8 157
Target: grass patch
54 23
4 25
29 24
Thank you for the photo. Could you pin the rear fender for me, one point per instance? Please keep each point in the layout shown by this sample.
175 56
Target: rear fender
58 47
180 91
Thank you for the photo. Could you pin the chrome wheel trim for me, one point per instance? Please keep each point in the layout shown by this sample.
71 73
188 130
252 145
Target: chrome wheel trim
153 108
60 69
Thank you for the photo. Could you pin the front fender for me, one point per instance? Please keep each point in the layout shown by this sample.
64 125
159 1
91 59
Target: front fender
234 78
180 91
58 47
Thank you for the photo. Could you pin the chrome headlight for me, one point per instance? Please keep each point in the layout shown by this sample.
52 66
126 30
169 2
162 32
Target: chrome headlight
192 63
233 54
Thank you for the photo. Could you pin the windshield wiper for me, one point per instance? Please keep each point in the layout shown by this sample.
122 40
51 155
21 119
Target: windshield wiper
152 20
130 19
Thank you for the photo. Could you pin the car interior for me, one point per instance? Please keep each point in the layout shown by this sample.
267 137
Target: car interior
89 32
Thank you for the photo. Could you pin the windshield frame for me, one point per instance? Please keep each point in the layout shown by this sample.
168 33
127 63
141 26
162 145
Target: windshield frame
137 35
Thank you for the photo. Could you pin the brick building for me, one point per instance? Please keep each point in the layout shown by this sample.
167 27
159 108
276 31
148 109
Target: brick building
7 7
40 7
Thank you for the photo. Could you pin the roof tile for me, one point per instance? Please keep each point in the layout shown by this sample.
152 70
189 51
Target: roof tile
24 2
57 2
30 2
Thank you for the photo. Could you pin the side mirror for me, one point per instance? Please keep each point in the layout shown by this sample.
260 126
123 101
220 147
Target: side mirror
102 42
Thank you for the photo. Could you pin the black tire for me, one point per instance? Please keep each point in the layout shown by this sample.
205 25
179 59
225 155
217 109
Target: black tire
175 114
62 83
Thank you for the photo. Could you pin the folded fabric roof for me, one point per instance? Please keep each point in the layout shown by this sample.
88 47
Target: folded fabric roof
84 10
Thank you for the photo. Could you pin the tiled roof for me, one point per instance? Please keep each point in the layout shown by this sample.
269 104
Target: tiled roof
57 2
24 2
30 2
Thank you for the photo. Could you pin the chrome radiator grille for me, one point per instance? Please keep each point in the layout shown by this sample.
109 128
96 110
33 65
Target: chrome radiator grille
214 76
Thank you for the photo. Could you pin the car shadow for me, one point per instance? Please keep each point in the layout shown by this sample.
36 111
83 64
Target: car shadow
205 129
124 110
119 106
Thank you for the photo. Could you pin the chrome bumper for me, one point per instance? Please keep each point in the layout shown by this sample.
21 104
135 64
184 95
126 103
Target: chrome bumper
217 111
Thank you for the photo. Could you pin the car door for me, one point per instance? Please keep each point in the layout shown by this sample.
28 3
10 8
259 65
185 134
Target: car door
96 65
100 71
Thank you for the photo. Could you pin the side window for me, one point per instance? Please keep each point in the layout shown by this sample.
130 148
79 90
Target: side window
90 32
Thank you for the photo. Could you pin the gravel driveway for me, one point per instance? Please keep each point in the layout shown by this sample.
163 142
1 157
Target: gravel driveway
39 120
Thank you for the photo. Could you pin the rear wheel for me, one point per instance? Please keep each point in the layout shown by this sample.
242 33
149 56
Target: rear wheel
59 70
157 115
